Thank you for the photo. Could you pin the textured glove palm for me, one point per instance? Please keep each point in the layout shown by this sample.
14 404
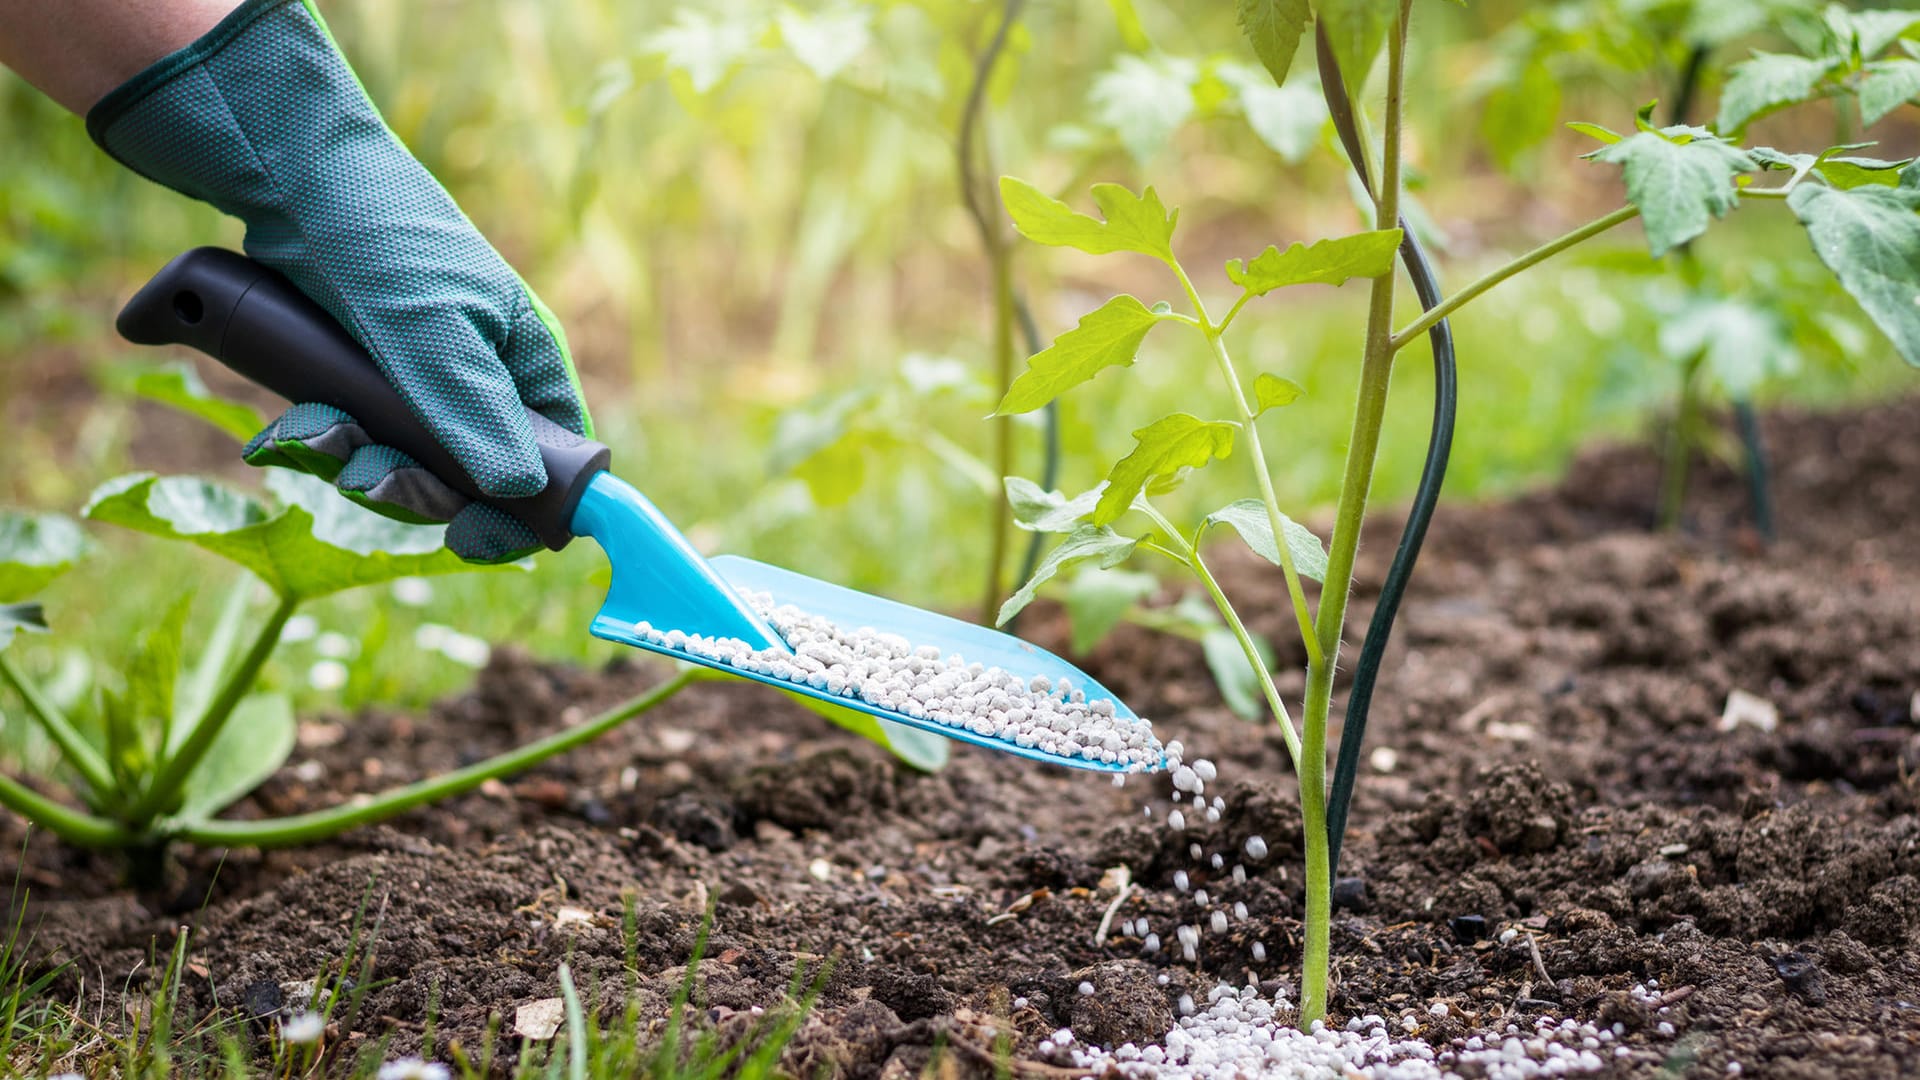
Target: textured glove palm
264 119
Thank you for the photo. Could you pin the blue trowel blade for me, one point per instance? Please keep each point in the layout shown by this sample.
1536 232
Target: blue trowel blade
659 579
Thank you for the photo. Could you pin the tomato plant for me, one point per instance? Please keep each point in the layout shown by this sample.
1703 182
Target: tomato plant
1679 180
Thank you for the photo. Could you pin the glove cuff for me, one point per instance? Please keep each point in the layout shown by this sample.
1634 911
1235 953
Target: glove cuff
130 93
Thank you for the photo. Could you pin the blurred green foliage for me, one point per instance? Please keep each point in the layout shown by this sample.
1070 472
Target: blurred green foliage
748 217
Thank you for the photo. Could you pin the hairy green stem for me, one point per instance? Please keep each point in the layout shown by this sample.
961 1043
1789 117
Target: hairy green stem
74 826
1258 457
319 824
1356 483
78 752
1486 281
161 793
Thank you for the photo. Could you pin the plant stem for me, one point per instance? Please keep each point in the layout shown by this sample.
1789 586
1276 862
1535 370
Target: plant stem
977 196
180 765
1274 701
1369 411
1545 251
1189 555
301 828
74 826
1002 524
1673 474
1258 457
73 746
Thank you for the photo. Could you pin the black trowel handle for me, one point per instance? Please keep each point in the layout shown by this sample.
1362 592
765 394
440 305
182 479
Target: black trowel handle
257 323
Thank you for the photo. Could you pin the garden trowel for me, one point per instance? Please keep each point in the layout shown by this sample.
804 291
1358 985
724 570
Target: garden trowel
257 323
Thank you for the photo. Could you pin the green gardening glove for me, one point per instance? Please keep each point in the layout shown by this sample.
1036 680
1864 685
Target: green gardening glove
264 119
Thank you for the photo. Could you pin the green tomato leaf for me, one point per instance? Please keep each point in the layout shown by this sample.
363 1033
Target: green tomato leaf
1327 262
1833 166
1144 100
1096 543
1289 119
1108 336
1870 238
922 750
827 42
1248 517
703 47
1596 131
1047 511
1273 28
1520 111
1162 448
1768 82
35 549
1679 186
1139 223
1098 599
824 445
17 617
1866 34
1239 684
1273 392
318 543
177 385
1357 29
1853 172
1884 86
257 740
1769 158
1742 344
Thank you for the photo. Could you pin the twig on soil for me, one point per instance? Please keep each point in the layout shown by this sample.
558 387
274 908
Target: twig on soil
1674 996
1106 920
1539 965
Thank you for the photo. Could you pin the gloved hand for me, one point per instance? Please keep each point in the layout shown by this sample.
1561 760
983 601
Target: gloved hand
263 118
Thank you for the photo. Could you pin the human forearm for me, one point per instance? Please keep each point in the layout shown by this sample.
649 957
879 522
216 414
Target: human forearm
77 50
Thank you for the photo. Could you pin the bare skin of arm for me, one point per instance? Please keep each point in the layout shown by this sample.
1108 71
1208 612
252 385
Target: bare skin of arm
77 50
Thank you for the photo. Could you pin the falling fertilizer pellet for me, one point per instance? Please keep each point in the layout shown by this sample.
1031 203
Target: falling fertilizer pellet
887 671
1239 1034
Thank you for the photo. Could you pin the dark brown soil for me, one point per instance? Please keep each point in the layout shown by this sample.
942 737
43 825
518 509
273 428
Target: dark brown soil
1553 700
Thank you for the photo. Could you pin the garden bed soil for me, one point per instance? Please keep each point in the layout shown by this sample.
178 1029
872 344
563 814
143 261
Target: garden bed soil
1553 762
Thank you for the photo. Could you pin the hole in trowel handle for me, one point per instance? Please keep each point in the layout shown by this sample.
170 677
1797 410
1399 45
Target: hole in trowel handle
188 306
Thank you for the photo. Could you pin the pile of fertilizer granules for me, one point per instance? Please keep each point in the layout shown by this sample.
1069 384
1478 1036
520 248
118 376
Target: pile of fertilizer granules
888 671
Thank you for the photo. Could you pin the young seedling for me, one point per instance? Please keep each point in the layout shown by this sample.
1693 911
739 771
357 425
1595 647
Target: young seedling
1679 179
181 737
